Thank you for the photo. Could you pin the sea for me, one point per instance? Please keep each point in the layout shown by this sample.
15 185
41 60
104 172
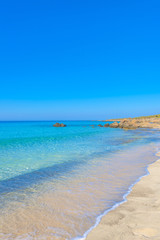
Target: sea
57 183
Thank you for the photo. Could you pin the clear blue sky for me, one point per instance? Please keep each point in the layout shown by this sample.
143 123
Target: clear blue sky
80 59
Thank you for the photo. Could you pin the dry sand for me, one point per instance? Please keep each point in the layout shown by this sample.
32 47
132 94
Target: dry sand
139 217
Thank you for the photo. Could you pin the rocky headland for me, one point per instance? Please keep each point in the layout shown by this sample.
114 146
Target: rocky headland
134 123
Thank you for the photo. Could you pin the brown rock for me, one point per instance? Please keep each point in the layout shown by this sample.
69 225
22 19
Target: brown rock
129 124
143 122
63 125
59 125
100 125
114 125
106 125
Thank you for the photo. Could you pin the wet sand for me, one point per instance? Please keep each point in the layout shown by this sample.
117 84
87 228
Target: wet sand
139 217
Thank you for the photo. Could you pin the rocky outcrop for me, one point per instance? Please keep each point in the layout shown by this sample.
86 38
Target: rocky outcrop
133 123
100 125
129 124
106 125
114 125
59 125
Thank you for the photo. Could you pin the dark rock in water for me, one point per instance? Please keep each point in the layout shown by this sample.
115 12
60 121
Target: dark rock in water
100 125
106 125
63 125
114 125
59 125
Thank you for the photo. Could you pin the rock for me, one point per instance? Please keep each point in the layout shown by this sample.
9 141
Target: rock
59 125
106 125
114 125
130 127
100 125
63 125
134 123
129 124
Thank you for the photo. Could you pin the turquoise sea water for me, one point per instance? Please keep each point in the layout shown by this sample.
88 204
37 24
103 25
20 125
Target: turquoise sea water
55 182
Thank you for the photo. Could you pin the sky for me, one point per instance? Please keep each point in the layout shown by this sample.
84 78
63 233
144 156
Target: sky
82 59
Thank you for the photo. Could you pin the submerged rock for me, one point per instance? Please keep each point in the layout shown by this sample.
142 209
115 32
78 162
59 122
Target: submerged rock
59 125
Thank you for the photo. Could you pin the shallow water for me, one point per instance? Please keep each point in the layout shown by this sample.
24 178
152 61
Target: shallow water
55 182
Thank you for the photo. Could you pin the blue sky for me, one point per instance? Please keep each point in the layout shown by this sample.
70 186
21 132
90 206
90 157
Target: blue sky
79 59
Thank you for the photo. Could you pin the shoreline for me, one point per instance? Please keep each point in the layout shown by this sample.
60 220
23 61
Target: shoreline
114 222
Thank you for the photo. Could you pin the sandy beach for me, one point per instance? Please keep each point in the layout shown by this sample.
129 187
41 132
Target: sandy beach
139 217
